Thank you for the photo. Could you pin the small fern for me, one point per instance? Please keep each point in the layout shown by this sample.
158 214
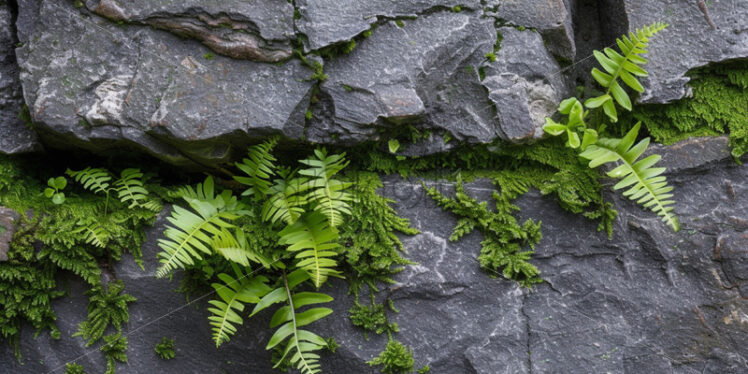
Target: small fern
92 233
105 308
645 183
165 349
93 179
258 166
74 369
286 199
235 248
328 193
115 349
233 293
314 242
130 188
624 66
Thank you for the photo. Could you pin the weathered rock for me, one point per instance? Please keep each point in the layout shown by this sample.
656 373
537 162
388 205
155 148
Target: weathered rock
8 218
689 42
646 301
15 137
259 30
95 85
524 84
326 23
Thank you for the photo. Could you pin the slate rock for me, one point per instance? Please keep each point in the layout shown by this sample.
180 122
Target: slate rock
689 42
92 84
15 137
259 30
325 23
8 218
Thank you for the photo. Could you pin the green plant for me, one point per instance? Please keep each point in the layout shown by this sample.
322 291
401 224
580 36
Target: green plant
74 369
395 359
130 187
105 308
165 349
115 349
54 191
646 184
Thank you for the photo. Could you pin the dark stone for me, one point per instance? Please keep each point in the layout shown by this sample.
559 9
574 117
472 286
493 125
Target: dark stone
8 218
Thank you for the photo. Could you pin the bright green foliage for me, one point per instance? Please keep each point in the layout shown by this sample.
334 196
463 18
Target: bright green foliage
719 105
258 166
193 232
165 349
56 185
105 308
371 318
115 349
287 198
130 190
92 233
624 66
503 237
373 250
314 243
74 369
424 370
299 344
93 179
395 359
645 183
233 293
327 193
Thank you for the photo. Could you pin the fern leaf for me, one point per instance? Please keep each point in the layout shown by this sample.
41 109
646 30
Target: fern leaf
286 199
96 180
623 66
235 248
130 189
92 233
327 193
645 183
258 166
233 294
314 241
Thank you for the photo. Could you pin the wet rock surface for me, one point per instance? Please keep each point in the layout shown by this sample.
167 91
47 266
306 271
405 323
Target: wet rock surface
645 301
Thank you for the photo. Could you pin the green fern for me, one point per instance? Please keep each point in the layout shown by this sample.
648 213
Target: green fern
315 243
328 193
286 198
105 308
395 359
165 349
624 65
115 349
300 344
235 248
233 293
96 180
192 232
130 188
258 166
645 183
92 233
74 369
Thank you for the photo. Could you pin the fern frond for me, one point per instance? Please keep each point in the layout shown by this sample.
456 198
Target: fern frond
105 308
623 66
96 180
130 189
286 199
233 294
92 233
258 166
644 182
236 249
115 349
327 193
315 243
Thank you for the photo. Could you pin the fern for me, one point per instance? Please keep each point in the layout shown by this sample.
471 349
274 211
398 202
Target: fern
192 232
315 243
624 65
233 293
300 344
328 193
395 359
74 369
286 199
165 349
130 188
115 349
96 180
92 233
258 166
644 181
105 308
236 249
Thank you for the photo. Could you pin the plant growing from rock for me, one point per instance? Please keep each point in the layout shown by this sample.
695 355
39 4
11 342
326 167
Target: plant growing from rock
165 349
302 209
643 182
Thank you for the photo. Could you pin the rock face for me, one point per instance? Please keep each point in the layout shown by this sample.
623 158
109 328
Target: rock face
689 42
646 301
15 137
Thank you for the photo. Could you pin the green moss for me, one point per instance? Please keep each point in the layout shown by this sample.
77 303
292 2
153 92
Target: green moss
719 106
208 56
399 23
372 319
74 369
165 349
115 349
105 308
395 359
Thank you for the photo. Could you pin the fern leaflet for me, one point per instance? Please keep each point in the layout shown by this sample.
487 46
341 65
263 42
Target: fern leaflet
645 183
92 233
130 189
94 179
236 249
233 293
286 199
315 242
329 194
258 166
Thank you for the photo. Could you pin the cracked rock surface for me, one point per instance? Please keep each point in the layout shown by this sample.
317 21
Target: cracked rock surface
646 301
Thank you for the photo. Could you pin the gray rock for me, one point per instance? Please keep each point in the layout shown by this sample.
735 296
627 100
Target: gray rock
326 23
524 84
688 43
95 85
646 301
8 218
260 30
15 137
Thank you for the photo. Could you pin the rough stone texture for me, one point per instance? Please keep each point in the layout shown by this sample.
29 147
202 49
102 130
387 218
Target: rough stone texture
8 218
326 23
95 85
524 84
646 301
689 42
258 29
15 137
